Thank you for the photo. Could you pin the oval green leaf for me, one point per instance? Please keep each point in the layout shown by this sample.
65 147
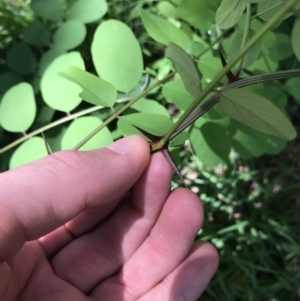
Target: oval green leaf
82 127
296 38
87 11
36 34
117 55
229 13
256 112
52 10
176 93
48 58
21 59
18 108
186 68
59 93
95 90
150 106
69 35
164 32
31 150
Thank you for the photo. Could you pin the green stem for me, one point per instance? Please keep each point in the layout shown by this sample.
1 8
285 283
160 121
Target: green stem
54 124
124 108
285 8
246 35
198 112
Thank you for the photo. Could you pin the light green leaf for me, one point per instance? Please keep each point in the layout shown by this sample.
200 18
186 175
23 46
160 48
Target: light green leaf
209 68
82 127
21 59
167 9
36 34
65 37
154 124
296 38
229 13
164 32
117 55
18 109
48 58
176 93
59 93
88 11
251 56
186 68
150 106
29 151
52 10
292 87
281 49
8 80
95 90
256 112
211 144
200 14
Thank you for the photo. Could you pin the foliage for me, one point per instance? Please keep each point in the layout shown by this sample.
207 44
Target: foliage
70 68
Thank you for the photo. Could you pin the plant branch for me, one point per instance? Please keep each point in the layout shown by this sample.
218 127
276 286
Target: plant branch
197 113
286 7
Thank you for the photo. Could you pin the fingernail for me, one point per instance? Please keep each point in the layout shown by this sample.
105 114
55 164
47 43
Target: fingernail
122 146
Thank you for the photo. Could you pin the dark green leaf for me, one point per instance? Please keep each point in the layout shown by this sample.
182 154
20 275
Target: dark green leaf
36 34
296 38
256 112
52 10
186 68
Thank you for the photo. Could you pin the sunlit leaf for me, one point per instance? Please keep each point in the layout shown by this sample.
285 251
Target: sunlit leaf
88 11
36 34
176 93
167 9
186 68
29 151
296 38
95 90
256 112
18 108
8 80
150 106
80 128
155 124
52 10
164 32
117 55
48 58
229 13
21 59
59 93
65 37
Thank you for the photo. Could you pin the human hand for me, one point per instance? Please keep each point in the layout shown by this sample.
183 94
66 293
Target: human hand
71 228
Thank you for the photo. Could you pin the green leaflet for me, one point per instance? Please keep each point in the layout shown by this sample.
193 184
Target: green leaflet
59 93
229 13
164 32
186 68
154 124
87 11
256 112
296 38
117 55
18 108
80 128
95 90
51 10
29 151
65 39
36 34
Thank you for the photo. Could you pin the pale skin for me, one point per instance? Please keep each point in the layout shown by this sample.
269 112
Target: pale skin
101 225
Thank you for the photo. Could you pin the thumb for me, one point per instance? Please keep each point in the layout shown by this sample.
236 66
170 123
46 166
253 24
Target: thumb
39 197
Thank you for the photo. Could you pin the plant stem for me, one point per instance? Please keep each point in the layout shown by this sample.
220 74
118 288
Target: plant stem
124 108
245 36
285 8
